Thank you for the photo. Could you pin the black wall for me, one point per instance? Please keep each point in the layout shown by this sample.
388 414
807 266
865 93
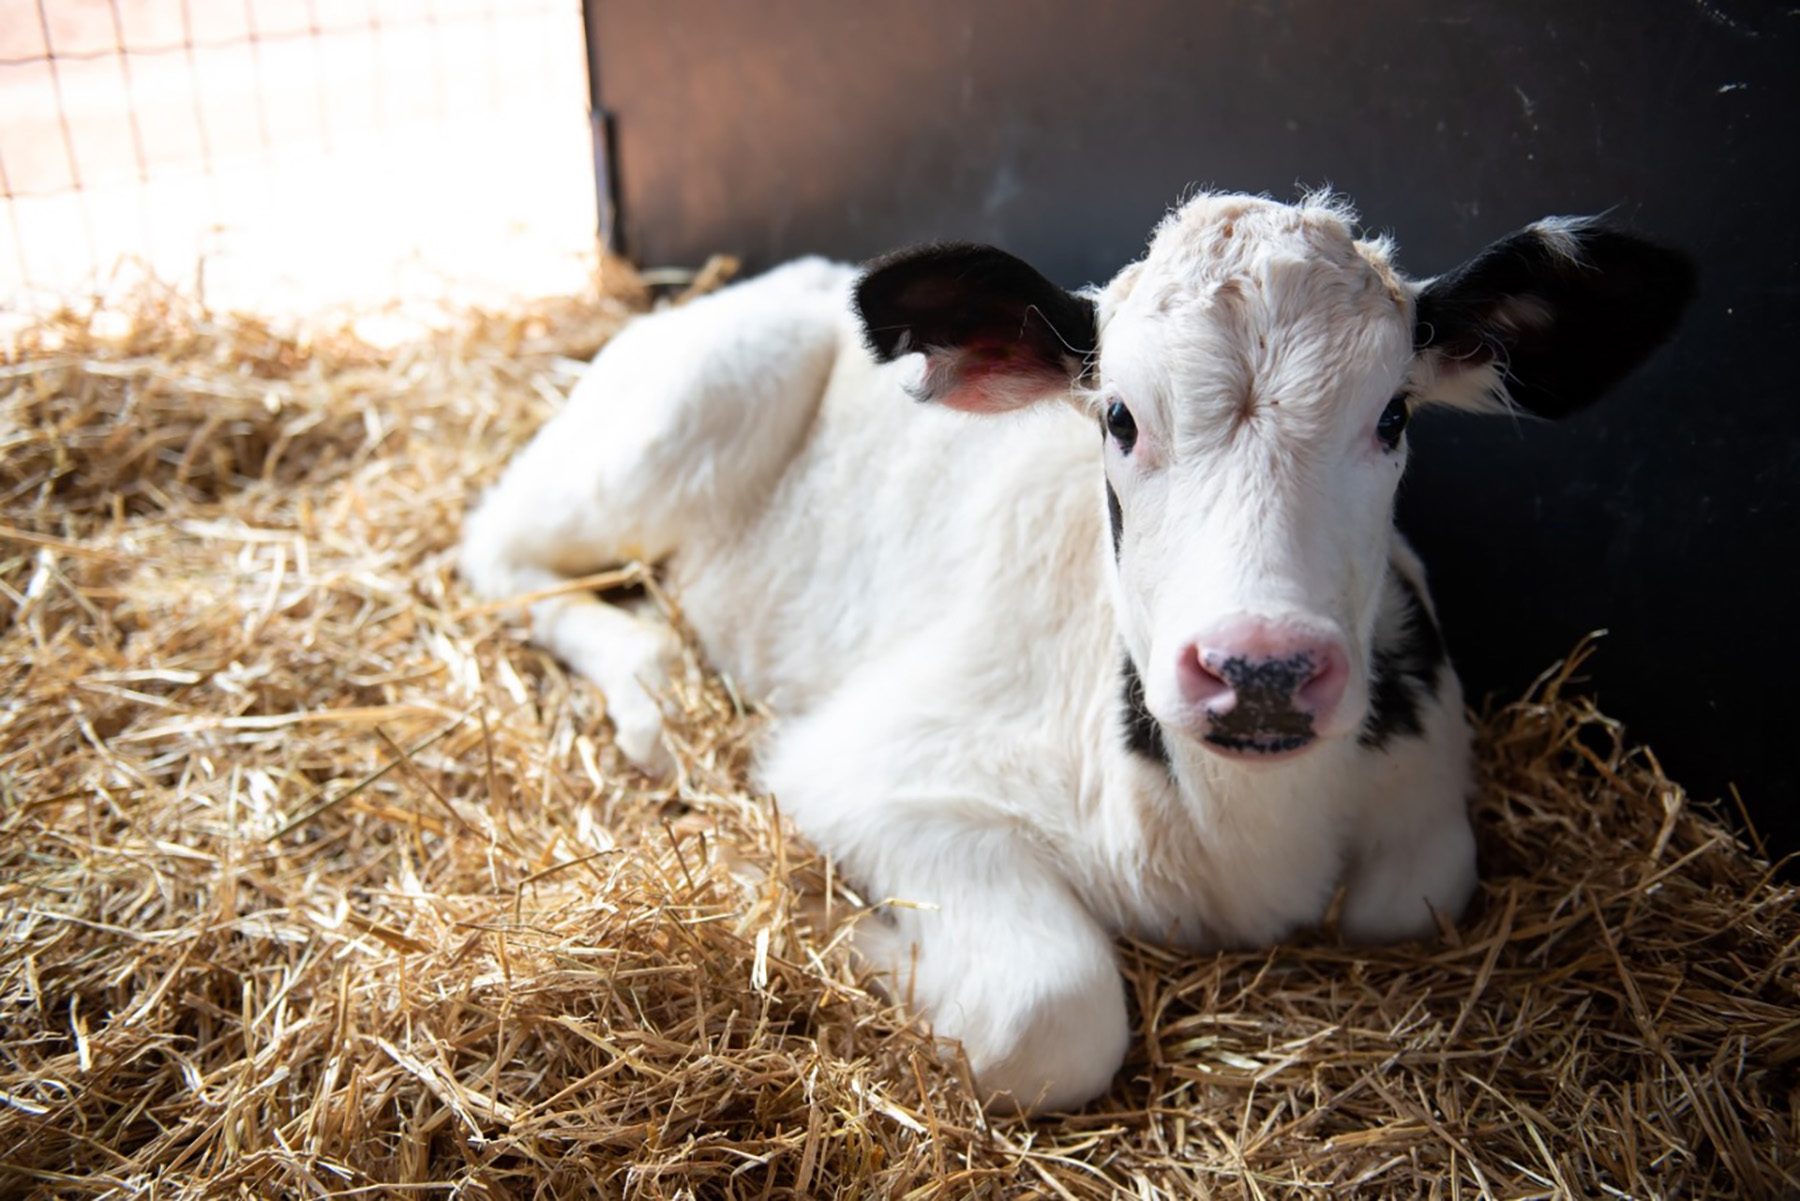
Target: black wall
1062 130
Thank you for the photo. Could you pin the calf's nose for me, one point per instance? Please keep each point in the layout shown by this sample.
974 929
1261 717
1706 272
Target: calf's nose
1262 687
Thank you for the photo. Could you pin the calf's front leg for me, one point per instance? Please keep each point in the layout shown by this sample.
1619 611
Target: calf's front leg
997 954
982 934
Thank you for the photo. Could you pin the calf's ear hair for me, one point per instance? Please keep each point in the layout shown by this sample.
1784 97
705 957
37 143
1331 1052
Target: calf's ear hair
1547 319
996 334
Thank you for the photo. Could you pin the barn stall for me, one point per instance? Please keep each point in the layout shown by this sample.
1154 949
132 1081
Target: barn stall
318 880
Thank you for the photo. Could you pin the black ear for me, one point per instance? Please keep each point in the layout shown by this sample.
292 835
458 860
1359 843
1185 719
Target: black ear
1548 318
995 333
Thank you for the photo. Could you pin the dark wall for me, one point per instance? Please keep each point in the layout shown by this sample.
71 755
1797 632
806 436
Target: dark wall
1062 130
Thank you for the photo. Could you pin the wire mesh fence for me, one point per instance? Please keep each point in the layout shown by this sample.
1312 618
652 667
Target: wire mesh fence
286 152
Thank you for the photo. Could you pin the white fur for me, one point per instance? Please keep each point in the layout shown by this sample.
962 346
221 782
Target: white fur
928 602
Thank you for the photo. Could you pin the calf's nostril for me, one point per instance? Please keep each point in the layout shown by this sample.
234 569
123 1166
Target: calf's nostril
1201 685
1322 690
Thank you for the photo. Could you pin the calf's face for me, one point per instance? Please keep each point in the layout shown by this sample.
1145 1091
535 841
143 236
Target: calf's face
1252 377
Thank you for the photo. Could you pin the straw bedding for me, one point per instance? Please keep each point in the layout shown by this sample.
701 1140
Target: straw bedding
316 880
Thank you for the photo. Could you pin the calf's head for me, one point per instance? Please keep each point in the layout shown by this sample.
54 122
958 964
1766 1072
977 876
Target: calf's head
1251 378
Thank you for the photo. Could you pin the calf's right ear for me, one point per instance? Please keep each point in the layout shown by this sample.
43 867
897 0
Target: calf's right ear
996 335
1547 319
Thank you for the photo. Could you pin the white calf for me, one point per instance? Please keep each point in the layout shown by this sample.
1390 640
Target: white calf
1176 676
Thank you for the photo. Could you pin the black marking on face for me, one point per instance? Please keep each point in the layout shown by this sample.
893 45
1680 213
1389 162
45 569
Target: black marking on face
1403 670
1264 719
1116 517
1142 735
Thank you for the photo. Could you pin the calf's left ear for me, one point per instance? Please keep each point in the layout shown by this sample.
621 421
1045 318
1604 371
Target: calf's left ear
996 334
1547 319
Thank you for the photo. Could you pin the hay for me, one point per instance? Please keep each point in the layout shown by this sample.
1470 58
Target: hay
317 881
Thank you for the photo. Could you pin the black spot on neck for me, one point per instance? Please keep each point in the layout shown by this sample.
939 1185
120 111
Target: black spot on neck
1142 735
1116 517
1403 671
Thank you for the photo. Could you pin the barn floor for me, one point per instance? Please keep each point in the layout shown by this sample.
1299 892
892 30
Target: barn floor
316 881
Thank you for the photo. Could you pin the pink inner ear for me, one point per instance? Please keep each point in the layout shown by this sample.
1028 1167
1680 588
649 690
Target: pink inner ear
991 377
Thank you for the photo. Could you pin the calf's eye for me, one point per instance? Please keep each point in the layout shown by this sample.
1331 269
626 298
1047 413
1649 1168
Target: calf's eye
1121 426
1392 423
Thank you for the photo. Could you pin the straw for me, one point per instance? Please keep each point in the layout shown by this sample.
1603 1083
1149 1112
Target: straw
317 880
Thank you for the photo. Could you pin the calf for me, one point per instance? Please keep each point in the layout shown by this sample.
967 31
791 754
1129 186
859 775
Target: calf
1113 633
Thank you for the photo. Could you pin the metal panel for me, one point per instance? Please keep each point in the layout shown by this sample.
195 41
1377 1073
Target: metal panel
1062 130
